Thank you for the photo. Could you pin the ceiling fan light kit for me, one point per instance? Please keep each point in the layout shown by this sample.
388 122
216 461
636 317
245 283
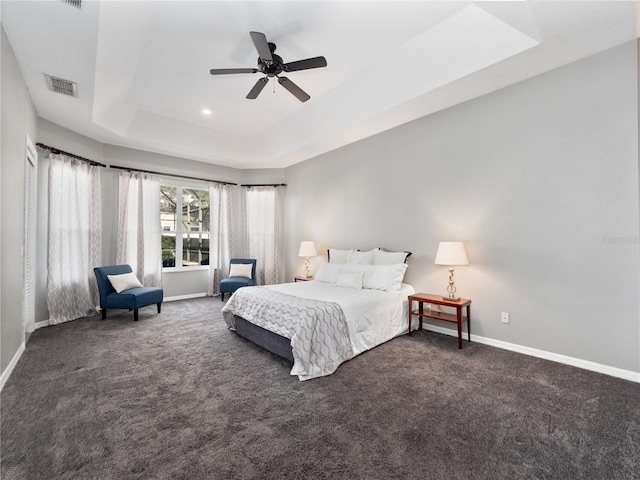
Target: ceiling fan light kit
272 65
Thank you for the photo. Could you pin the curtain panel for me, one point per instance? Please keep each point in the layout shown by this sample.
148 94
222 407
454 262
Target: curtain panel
139 227
222 235
264 231
74 238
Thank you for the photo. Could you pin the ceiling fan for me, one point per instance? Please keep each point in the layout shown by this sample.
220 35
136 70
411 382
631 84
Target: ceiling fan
272 66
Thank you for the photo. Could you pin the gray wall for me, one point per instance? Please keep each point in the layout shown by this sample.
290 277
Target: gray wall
18 119
638 118
540 180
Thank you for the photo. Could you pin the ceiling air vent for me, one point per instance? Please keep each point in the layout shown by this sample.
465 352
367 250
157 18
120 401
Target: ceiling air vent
73 3
60 85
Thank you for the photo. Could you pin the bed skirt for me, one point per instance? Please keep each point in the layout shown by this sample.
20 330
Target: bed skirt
273 342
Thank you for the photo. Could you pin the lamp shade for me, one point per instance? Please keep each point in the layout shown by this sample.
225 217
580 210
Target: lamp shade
451 253
307 249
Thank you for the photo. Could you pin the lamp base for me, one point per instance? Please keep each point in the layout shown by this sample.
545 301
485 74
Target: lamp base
452 299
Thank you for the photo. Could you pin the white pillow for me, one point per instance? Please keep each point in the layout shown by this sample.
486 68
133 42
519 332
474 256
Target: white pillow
384 277
338 256
349 280
328 272
124 281
389 258
241 270
361 258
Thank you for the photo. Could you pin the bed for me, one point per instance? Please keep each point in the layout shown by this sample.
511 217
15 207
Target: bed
317 325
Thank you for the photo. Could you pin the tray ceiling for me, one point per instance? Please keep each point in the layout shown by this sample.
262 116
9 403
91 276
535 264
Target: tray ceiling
142 67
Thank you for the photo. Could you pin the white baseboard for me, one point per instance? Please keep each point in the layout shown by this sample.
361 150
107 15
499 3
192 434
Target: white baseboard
43 323
534 352
11 366
184 297
29 327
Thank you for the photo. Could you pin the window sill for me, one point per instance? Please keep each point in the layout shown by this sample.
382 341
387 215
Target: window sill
185 269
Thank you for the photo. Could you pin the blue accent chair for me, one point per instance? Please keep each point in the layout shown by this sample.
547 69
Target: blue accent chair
231 284
132 299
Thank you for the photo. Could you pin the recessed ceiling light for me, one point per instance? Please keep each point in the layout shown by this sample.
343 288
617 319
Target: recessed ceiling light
206 111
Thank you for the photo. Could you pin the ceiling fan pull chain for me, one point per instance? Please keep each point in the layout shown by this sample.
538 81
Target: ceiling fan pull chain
274 87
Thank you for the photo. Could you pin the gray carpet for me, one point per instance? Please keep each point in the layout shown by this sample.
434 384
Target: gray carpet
178 396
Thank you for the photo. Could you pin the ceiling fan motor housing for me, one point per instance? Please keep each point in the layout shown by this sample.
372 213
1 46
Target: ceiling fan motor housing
273 68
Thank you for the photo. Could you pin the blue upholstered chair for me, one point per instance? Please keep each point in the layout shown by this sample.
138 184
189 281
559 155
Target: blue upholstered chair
231 284
132 299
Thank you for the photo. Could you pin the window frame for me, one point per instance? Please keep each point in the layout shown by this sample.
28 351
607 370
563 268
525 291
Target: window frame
180 231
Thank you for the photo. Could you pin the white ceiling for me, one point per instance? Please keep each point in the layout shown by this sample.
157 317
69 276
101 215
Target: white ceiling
142 67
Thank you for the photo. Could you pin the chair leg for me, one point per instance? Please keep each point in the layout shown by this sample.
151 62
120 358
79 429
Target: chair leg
135 315
104 313
222 296
160 303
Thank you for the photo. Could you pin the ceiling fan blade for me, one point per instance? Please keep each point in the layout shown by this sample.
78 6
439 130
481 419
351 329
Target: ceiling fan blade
260 41
315 62
226 71
257 88
294 89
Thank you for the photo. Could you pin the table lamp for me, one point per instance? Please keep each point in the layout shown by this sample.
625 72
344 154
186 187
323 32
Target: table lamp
450 254
307 249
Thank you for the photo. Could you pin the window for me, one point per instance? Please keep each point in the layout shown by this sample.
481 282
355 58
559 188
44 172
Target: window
185 236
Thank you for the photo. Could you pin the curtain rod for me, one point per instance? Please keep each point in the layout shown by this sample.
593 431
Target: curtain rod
172 175
265 185
57 151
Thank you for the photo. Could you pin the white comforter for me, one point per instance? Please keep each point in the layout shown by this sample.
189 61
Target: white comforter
373 316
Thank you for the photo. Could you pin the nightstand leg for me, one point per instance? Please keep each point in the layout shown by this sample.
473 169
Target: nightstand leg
410 302
469 322
459 315
421 311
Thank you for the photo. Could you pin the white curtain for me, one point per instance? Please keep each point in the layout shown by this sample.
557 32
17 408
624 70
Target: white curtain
221 234
139 243
74 238
264 231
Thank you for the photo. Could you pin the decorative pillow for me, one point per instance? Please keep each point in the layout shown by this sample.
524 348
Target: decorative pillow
383 257
349 280
124 281
241 270
384 277
337 256
328 272
361 258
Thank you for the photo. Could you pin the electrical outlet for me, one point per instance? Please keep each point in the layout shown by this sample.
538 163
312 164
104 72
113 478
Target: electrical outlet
505 317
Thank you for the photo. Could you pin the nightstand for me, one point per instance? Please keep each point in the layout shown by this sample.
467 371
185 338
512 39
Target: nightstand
300 278
458 319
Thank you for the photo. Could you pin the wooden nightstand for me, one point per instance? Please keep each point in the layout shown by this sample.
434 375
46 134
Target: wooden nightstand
300 278
422 312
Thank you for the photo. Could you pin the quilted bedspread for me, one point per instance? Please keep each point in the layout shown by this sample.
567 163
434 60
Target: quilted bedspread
317 329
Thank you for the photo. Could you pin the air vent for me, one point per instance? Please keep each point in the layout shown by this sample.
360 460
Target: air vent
60 85
73 3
